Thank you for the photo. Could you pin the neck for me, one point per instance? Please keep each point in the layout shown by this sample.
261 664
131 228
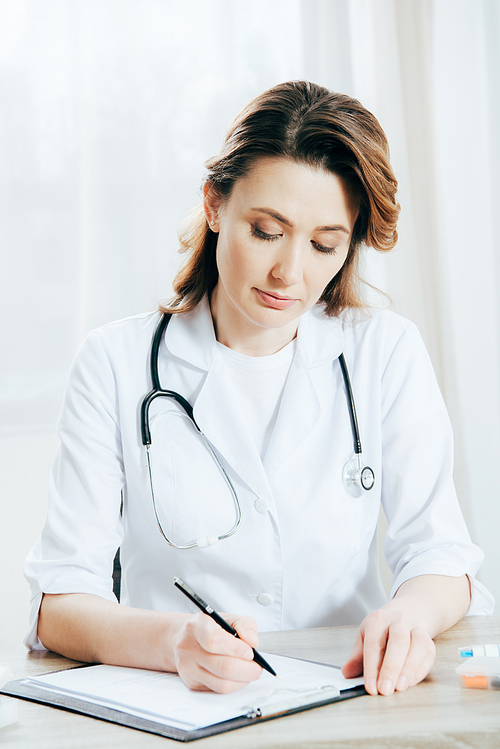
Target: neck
242 335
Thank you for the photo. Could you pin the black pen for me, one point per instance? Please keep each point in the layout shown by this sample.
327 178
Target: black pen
195 598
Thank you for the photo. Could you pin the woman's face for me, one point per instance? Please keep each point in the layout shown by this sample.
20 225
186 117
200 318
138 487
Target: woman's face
284 233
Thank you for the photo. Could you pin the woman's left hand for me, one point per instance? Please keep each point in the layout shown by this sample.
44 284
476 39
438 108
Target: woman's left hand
394 646
392 649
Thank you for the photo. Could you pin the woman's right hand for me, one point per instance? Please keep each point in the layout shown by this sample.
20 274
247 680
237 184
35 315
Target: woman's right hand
207 657
89 628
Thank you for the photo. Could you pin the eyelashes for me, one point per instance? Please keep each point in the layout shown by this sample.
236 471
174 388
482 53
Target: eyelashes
262 234
325 250
259 234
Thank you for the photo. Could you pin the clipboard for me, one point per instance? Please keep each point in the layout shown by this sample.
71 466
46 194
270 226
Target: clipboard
288 702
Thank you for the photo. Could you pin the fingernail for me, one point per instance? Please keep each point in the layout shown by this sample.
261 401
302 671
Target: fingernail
248 655
371 686
402 683
387 687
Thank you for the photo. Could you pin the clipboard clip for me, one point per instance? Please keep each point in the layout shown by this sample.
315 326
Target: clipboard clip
297 698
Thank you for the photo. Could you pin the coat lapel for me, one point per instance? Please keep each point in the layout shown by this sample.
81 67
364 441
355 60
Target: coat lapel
320 340
191 337
298 414
217 412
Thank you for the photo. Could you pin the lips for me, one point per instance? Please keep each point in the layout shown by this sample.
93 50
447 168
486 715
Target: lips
276 301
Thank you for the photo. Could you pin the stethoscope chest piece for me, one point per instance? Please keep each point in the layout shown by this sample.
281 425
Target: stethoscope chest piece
357 478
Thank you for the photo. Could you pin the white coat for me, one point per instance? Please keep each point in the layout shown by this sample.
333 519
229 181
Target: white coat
306 552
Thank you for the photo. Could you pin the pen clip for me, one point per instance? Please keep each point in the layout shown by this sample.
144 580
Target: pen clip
189 592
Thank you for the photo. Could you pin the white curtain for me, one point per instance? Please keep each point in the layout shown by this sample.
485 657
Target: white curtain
108 109
430 71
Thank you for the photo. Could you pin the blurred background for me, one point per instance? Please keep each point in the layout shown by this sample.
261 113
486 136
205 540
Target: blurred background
108 110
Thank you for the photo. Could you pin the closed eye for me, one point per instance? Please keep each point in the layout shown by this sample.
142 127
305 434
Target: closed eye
272 237
263 235
322 248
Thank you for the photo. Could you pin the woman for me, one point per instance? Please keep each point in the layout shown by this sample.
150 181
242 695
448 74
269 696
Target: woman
265 305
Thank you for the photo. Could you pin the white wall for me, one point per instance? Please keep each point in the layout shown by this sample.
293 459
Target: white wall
24 466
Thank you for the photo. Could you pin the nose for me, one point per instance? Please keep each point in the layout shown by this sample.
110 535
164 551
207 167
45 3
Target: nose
288 264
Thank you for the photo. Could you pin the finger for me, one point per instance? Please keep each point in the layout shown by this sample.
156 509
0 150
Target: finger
246 628
201 679
396 652
374 645
213 662
214 640
220 672
354 664
424 669
227 668
419 660
209 658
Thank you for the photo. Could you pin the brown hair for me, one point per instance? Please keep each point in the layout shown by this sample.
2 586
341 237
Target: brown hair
306 123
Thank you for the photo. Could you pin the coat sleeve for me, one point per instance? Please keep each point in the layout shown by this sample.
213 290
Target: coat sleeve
83 529
427 533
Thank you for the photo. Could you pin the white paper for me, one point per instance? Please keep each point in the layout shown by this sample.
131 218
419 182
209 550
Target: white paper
164 698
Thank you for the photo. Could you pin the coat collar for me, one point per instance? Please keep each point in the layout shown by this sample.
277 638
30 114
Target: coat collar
320 339
191 337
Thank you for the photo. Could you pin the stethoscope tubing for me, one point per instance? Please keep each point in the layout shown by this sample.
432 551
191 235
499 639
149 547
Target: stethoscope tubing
158 392
352 406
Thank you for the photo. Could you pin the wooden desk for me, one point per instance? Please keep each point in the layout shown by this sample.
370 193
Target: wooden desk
436 713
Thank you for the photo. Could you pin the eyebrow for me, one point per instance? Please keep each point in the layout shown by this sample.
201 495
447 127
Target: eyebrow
287 222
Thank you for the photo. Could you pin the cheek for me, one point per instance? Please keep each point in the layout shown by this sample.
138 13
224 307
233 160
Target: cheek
235 259
227 256
325 273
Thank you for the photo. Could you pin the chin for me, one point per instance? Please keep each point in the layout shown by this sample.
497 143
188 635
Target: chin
273 319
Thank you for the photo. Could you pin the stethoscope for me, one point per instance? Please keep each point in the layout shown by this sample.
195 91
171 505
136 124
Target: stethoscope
356 477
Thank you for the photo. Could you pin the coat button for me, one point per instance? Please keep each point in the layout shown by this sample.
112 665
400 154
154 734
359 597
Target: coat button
265 599
261 505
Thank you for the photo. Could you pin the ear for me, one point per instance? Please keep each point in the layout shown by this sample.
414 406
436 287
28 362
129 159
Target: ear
211 206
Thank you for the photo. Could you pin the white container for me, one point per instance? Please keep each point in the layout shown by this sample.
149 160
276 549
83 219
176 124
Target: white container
479 673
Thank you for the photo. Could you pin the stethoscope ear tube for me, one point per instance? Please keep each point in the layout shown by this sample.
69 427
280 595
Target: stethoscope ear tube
155 347
157 390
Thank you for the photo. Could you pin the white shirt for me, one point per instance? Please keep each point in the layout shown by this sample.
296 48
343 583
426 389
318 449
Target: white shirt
305 554
259 382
